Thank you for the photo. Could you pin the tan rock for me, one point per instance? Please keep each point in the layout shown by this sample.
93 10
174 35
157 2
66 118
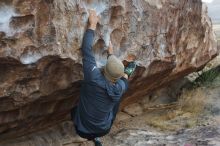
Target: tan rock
40 58
121 116
133 109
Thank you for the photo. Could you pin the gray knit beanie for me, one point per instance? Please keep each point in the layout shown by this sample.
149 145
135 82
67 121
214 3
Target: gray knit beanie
114 69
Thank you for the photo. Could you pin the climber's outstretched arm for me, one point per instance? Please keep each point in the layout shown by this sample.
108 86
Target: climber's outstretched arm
89 63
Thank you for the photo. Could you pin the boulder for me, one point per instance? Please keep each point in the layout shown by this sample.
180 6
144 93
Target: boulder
40 56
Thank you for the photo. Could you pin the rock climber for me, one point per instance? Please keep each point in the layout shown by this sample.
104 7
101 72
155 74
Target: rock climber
101 89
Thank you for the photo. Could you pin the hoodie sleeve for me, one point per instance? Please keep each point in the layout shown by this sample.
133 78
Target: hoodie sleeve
89 63
116 91
123 82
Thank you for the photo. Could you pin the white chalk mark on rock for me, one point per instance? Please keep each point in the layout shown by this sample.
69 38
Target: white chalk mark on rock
99 7
6 12
30 57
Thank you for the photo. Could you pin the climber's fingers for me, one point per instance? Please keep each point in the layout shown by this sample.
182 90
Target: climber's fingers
92 12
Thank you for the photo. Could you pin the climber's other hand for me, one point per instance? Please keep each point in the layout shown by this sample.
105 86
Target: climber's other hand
110 48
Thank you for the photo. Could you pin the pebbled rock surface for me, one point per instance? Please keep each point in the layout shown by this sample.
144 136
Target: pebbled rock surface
40 59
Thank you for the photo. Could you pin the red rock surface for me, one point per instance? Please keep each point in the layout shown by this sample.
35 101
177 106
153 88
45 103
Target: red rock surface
40 59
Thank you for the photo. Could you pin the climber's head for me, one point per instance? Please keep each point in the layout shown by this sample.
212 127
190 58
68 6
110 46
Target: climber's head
114 69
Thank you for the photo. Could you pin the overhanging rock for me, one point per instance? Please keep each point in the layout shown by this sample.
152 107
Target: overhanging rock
40 58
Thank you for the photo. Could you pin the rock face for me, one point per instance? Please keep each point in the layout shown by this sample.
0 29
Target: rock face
40 58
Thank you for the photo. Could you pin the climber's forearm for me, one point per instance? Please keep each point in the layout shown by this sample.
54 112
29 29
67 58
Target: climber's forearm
110 49
87 44
88 60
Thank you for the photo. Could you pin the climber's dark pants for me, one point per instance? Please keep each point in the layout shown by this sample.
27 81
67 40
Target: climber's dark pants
92 136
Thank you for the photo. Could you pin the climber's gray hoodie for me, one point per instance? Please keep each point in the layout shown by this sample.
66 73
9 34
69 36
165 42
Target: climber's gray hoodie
98 96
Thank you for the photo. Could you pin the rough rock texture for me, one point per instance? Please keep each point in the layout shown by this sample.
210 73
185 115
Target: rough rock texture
40 60
133 130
